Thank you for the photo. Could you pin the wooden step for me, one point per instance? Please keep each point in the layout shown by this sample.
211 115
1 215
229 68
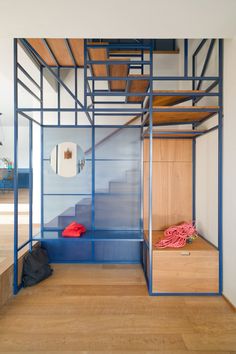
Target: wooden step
115 70
118 70
57 48
182 117
171 100
97 53
137 86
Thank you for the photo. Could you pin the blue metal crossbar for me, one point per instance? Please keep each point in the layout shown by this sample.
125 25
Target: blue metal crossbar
28 89
19 66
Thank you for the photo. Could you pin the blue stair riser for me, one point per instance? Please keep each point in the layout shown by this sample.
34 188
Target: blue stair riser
123 187
93 252
117 217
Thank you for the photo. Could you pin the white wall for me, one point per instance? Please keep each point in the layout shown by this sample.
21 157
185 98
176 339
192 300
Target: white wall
118 19
229 178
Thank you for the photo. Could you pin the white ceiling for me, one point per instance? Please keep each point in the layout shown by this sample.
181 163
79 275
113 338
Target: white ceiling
118 18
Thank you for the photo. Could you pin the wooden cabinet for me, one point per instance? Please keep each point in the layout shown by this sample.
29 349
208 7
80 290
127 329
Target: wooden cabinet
193 268
171 182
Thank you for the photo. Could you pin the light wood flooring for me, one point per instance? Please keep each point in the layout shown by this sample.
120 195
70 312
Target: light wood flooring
96 309
7 228
106 309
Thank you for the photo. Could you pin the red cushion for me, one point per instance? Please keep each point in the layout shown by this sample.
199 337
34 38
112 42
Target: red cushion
73 230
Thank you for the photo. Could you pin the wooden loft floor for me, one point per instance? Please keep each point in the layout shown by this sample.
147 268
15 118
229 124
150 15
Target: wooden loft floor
57 48
55 51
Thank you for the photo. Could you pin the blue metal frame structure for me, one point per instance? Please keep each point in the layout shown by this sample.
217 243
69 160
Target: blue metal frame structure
93 108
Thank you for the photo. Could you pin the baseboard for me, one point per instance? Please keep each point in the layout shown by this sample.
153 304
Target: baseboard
230 303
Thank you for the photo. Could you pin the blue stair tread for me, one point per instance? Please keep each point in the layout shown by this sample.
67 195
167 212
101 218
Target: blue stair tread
99 235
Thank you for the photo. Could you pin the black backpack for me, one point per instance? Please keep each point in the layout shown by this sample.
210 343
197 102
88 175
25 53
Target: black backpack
35 267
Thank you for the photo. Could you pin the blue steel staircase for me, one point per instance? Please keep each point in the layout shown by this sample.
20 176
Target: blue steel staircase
121 201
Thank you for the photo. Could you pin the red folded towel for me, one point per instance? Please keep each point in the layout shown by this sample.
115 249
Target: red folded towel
73 230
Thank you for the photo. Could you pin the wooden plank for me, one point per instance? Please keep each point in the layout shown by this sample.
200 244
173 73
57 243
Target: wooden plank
60 50
77 47
215 343
172 100
118 70
42 50
181 117
138 86
98 54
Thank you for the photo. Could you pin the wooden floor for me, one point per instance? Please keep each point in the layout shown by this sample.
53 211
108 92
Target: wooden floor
95 309
106 309
7 228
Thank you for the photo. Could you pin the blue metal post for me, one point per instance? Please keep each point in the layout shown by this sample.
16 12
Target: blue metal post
76 95
85 73
15 277
30 184
58 97
93 172
141 155
220 167
41 152
150 169
185 57
194 179
193 73
141 172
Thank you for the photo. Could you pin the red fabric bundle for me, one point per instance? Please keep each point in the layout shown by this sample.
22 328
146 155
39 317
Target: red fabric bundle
176 236
73 230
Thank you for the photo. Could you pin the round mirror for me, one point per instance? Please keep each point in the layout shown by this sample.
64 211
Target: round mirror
67 159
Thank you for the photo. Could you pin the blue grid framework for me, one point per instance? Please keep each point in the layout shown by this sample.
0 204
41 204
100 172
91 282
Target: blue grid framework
92 109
